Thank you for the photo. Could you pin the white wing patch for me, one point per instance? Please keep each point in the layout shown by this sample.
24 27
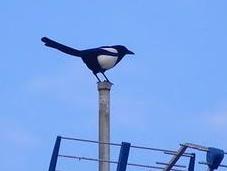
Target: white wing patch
107 61
112 50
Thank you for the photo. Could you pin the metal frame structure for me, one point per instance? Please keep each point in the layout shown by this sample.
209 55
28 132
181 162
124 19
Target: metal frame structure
122 162
214 157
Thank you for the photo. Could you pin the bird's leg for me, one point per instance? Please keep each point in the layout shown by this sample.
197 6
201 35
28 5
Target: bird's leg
97 77
105 77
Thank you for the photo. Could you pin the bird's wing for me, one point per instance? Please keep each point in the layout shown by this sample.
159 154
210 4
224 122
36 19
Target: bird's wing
97 52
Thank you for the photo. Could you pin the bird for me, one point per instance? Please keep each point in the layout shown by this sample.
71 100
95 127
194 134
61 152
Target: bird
98 60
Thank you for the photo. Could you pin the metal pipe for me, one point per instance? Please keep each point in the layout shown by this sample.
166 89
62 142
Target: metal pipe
175 158
104 124
195 146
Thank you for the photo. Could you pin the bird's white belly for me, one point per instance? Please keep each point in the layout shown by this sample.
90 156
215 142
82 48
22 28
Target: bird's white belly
107 61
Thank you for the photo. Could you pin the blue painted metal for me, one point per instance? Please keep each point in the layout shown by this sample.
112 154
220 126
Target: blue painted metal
54 156
123 156
191 166
214 157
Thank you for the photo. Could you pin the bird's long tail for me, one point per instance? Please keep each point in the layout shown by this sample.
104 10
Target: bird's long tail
51 43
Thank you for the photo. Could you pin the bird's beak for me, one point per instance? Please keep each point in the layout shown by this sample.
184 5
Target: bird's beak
130 52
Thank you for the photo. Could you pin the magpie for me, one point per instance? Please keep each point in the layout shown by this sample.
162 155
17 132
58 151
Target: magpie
98 60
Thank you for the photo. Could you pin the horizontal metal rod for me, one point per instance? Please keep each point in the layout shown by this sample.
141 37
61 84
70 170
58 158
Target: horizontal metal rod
175 153
205 163
197 147
116 144
114 162
176 165
153 149
90 141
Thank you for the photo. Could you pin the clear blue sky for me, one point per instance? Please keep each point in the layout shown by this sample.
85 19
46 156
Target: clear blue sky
174 90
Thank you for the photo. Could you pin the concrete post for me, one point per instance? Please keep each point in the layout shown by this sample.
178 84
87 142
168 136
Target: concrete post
104 124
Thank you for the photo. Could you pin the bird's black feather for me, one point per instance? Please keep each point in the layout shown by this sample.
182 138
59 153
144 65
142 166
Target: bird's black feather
91 56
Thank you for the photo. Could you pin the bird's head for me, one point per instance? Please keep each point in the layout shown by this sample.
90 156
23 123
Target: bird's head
122 50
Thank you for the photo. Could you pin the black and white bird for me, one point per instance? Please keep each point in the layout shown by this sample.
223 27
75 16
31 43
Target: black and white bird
98 60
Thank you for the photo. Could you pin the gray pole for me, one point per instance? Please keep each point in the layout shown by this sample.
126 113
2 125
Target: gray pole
104 124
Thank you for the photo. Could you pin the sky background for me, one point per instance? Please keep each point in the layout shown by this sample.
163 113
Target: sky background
174 90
